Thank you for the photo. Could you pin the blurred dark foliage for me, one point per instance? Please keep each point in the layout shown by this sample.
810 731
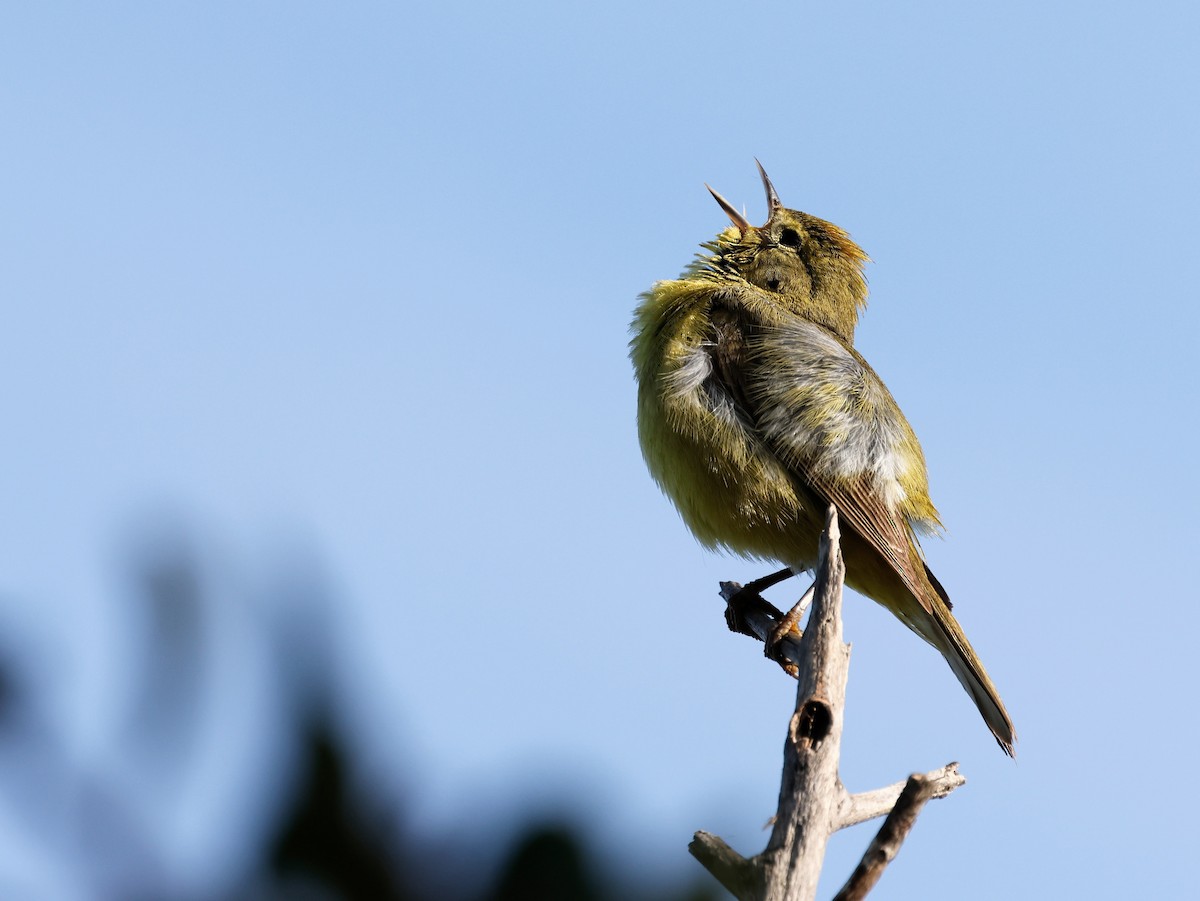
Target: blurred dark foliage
329 846
321 833
327 840
547 863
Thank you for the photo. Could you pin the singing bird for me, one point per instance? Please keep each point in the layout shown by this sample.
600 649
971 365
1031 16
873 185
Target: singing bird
755 413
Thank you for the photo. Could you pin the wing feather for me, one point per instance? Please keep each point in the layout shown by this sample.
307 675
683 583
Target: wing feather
826 416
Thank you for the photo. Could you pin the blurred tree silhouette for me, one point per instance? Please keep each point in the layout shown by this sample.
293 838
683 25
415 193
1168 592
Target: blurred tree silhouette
328 839
227 773
547 864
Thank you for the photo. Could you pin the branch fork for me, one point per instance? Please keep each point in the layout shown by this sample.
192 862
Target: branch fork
813 803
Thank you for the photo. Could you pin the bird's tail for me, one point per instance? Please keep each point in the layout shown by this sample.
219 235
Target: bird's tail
939 627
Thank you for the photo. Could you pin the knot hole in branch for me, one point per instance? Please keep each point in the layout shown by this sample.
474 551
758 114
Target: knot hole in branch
812 723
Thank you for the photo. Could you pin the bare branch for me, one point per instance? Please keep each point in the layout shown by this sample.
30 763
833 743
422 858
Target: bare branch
811 793
869 805
813 803
730 869
886 844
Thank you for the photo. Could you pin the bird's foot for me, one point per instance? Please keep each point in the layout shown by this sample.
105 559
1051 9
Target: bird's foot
758 586
746 610
787 625
743 601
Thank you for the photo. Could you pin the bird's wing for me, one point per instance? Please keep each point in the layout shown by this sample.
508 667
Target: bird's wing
828 417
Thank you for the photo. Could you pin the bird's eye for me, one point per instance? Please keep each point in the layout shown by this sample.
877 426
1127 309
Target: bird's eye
789 237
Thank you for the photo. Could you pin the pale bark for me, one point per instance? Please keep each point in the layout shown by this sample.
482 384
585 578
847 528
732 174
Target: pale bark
813 803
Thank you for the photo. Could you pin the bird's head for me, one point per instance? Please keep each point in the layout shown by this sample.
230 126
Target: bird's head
811 266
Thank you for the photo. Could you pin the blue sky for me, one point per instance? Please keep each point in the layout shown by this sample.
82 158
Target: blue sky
352 284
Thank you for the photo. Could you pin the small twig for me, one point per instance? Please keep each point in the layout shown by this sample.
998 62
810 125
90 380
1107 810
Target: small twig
733 871
886 844
868 805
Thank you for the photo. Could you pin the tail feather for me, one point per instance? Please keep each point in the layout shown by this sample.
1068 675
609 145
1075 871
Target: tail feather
942 630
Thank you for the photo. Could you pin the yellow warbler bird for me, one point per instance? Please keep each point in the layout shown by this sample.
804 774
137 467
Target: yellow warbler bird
756 413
